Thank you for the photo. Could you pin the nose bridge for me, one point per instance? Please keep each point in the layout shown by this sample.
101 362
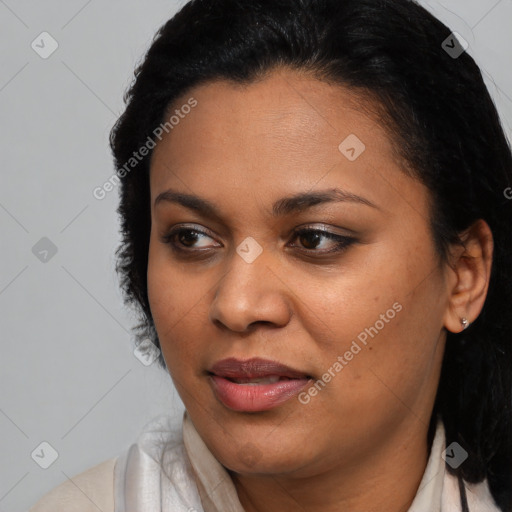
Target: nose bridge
249 292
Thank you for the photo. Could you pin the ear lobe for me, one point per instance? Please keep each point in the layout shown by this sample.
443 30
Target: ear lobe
470 267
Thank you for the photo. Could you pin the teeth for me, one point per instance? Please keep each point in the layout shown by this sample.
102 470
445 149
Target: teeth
271 379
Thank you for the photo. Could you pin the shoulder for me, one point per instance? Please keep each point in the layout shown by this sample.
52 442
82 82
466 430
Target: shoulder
89 491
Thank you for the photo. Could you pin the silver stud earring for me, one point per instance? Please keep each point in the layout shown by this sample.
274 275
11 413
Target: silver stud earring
464 322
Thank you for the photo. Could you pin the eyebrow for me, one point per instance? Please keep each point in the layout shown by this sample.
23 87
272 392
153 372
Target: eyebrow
285 206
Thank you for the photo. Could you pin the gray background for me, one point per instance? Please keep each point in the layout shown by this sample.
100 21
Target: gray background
68 374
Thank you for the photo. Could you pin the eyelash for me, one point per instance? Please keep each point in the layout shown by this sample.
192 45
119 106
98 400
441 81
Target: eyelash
343 242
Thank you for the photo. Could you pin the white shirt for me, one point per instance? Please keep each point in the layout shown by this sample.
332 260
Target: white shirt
174 471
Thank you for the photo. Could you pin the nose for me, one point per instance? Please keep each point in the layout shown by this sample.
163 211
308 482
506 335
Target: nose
251 293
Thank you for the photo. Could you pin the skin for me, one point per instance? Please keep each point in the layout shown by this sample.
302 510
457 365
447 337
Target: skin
365 433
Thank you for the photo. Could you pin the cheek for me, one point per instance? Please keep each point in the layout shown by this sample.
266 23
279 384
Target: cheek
384 323
160 287
170 300
171 292
179 301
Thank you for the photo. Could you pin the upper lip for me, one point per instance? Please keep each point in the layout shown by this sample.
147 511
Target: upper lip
253 368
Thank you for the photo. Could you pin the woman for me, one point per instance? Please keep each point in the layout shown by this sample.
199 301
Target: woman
317 235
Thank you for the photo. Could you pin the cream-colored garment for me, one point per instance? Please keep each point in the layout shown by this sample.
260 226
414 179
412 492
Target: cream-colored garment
90 491
194 481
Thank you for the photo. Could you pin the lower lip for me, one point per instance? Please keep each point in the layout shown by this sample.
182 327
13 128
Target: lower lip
255 397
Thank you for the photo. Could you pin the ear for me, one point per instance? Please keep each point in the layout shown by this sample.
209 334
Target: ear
469 275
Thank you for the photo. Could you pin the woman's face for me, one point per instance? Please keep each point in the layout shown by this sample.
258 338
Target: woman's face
361 315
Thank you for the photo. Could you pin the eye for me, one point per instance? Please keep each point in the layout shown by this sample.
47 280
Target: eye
183 239
311 239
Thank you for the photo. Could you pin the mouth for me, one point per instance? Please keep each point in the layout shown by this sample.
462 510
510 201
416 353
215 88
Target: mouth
267 379
255 384
254 368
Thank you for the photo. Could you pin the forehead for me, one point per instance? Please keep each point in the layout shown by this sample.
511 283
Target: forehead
284 104
287 131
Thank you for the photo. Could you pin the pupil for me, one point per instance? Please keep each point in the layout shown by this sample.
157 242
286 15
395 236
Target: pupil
314 236
191 237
